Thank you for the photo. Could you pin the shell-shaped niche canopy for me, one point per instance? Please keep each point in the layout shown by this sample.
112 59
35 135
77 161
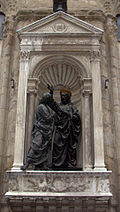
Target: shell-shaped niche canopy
61 75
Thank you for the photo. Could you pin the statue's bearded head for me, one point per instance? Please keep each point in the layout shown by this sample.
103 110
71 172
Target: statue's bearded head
65 96
46 98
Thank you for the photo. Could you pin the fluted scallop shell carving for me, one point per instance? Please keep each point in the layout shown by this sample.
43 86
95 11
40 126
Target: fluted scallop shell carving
60 76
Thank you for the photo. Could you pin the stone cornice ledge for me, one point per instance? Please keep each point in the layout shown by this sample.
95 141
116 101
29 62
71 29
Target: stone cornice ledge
33 172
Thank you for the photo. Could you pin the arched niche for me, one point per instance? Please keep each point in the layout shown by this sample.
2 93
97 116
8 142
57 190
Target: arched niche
62 72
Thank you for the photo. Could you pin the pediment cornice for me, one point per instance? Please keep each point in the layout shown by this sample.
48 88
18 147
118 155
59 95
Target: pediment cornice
60 23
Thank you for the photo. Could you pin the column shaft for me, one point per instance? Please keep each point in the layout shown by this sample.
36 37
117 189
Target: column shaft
87 142
30 117
87 134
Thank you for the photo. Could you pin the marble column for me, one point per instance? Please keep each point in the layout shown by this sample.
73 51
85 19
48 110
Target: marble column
21 110
97 112
87 142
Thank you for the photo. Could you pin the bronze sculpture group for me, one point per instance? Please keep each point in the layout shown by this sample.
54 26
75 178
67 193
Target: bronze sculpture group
57 133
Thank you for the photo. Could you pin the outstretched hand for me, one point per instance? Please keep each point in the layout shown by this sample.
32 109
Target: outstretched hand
50 88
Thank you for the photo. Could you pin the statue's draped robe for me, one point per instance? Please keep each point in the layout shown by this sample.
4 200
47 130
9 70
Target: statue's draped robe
41 137
67 129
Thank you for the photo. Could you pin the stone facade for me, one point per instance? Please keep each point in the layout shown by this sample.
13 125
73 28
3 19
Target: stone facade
97 49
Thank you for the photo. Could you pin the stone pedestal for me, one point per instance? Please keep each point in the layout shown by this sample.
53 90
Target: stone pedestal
34 190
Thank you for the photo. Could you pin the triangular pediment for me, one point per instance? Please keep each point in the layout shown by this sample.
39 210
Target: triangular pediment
60 22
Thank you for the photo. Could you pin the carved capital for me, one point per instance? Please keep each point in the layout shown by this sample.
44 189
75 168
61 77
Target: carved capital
95 55
87 87
32 91
24 55
32 86
86 93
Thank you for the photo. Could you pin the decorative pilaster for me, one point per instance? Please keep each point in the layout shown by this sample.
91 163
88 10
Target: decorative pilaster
97 112
21 110
87 142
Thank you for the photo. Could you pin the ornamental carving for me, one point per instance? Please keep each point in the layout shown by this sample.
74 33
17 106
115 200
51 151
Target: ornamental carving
60 182
59 27
95 55
13 184
24 55
57 184
108 6
103 186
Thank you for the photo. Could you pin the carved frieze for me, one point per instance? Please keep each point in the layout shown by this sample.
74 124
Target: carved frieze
40 39
75 183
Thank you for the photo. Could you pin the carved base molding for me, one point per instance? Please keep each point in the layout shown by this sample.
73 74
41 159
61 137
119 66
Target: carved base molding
63 190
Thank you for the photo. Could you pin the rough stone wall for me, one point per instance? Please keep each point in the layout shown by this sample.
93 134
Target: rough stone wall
99 13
